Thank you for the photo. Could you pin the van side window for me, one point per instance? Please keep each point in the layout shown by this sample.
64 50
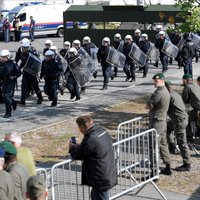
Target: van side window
22 17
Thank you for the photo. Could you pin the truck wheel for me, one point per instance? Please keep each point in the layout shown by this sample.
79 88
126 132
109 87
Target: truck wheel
12 36
60 32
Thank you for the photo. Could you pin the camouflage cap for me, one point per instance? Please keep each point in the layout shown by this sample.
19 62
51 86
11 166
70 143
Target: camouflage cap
36 186
187 76
158 76
8 147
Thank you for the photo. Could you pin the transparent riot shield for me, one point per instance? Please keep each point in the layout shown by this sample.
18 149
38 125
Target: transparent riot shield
93 52
33 65
63 62
88 60
80 71
196 40
153 53
137 55
181 43
116 58
121 46
170 49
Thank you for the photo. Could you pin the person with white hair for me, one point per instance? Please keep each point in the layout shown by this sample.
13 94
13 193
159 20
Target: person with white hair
24 154
6 183
9 72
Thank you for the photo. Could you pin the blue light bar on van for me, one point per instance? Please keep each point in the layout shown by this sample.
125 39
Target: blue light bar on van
30 3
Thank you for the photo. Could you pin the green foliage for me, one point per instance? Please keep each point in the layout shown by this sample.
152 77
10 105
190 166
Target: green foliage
191 16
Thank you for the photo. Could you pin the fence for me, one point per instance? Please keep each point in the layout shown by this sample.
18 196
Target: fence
134 171
132 127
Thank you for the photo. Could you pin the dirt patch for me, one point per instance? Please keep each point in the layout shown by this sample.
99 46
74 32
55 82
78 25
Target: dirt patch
50 144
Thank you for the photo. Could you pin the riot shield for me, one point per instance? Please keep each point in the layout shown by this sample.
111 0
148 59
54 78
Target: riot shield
93 52
116 58
180 44
170 49
137 55
196 40
63 62
121 46
80 71
88 60
153 53
33 65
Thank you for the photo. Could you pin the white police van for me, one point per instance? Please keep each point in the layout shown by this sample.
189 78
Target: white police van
48 18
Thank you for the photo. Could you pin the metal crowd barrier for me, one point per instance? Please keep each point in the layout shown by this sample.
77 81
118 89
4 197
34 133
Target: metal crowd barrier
132 127
132 155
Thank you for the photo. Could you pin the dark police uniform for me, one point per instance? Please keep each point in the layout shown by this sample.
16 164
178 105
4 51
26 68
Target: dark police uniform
163 57
102 55
129 67
188 54
29 80
71 84
9 72
51 72
144 46
179 122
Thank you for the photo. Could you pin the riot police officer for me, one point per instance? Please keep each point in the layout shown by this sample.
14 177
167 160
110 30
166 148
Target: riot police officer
28 79
71 84
102 55
188 53
48 44
88 45
116 43
136 37
144 45
129 67
64 51
50 71
163 57
9 72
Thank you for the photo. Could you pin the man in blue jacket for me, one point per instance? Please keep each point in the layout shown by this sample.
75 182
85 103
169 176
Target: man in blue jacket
96 151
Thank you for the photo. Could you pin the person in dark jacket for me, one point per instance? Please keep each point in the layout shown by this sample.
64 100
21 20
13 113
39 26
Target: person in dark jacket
129 67
96 152
136 37
71 84
6 30
64 51
51 71
28 79
188 53
9 72
144 45
47 44
159 45
102 55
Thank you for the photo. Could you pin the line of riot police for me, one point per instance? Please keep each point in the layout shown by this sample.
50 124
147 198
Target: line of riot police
73 66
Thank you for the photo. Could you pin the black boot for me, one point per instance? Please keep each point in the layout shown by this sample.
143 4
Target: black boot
183 168
7 115
14 105
166 170
53 104
40 98
105 87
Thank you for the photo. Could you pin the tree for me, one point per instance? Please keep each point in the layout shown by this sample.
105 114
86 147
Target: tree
191 15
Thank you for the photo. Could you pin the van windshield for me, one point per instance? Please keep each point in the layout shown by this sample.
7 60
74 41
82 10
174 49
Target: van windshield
10 16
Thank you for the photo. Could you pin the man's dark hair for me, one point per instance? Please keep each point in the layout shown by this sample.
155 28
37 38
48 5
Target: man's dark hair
9 158
82 121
